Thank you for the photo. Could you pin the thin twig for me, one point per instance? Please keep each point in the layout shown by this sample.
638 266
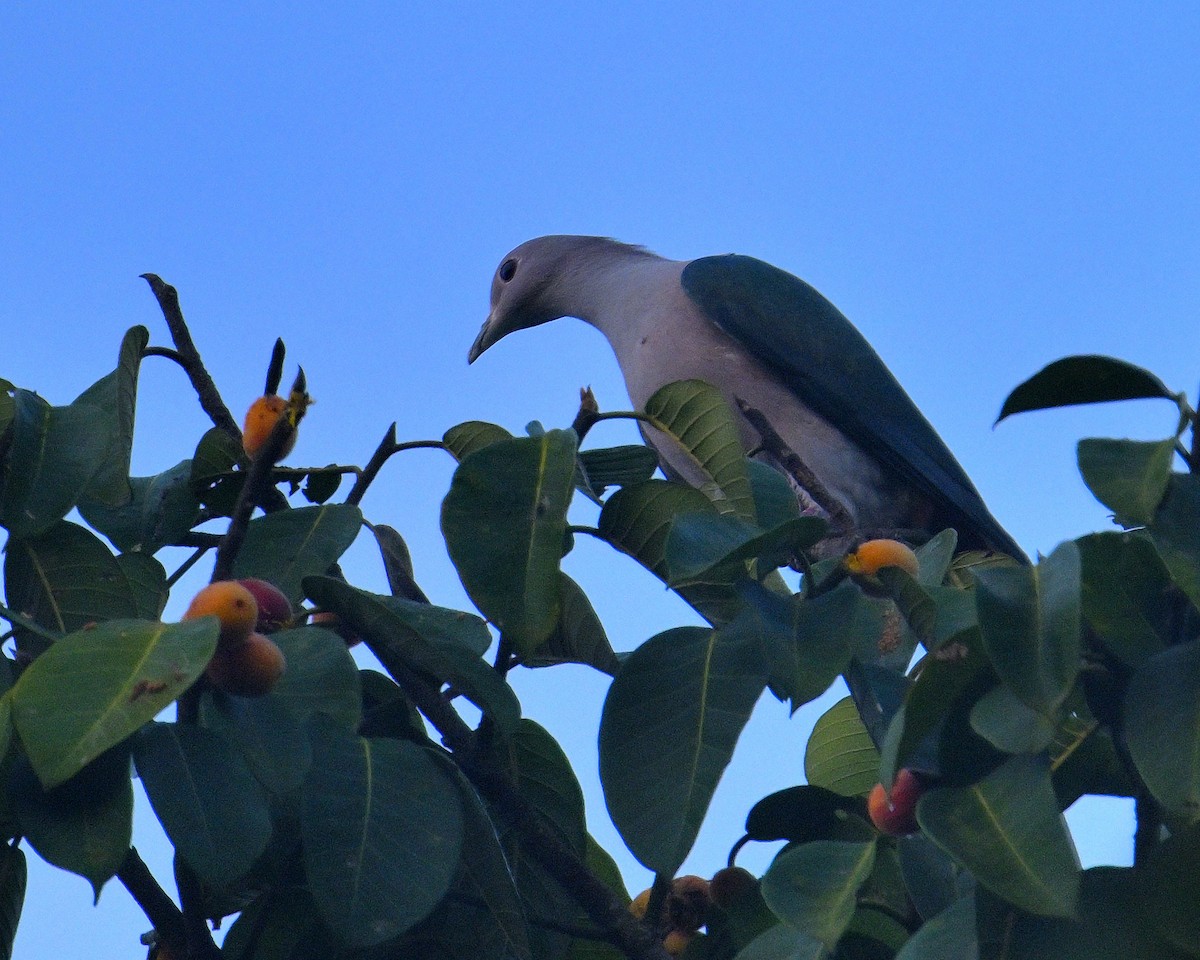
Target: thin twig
159 908
186 565
773 444
189 356
387 447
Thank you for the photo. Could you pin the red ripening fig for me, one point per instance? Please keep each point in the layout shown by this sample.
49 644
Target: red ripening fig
249 670
729 884
232 604
274 609
896 814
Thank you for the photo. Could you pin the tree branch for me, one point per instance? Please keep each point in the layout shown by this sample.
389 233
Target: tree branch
189 356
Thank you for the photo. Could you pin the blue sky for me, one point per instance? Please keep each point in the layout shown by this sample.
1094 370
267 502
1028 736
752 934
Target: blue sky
982 190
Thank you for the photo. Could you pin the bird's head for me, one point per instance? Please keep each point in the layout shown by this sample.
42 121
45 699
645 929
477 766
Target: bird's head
522 292
542 280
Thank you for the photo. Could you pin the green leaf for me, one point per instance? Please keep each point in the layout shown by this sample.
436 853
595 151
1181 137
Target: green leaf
840 755
282 924
808 643
934 558
688 692
13 874
92 689
1162 727
814 887
1127 476
618 466
636 521
948 936
1167 894
1007 830
781 942
481 918
64 579
445 649
211 807
932 880
579 636
158 511
1007 724
321 485
1176 533
702 547
605 868
466 438
697 418
1030 621
214 481
116 396
800 814
285 547
83 826
147 583
397 564
774 499
54 453
546 780
382 827
504 521
321 676
266 732
1107 925
1083 379
1124 586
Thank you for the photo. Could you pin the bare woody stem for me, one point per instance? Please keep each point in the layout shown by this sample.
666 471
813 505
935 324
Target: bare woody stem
189 356
169 923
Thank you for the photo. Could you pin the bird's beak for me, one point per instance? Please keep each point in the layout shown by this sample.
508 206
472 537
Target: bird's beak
485 339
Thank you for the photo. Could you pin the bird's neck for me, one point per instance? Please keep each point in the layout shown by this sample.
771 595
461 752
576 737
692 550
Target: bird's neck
620 295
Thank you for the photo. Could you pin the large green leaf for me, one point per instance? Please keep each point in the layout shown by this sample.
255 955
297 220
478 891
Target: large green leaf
808 643
1123 586
448 652
545 778
671 720
505 520
158 511
701 547
116 396
481 918
214 480
266 732
932 879
1166 892
285 547
282 924
55 452
397 563
64 579
840 755
1008 831
92 689
85 824
948 936
1127 476
617 466
1083 379
382 827
321 676
579 636
695 415
1162 727
637 519
782 942
1107 924
1030 620
1002 719
211 807
13 874
1176 533
814 887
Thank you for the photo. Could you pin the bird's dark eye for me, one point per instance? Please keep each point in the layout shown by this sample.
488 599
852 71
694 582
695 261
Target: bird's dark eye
507 270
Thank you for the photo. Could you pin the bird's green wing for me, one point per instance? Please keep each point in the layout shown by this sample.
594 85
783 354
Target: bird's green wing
806 341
